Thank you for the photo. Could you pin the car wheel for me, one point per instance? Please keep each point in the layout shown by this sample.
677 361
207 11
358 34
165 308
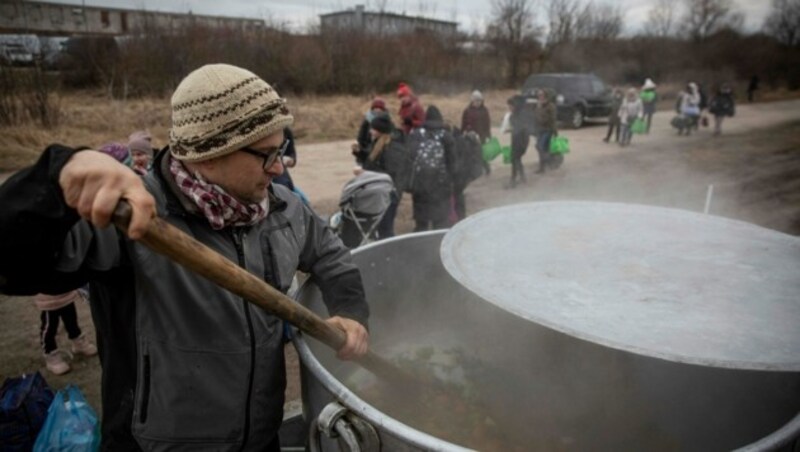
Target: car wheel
577 118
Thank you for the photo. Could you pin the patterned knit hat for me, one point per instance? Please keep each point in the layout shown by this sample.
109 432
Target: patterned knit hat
219 109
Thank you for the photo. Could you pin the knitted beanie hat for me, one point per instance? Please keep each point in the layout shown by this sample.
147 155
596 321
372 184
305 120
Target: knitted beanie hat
140 141
476 96
119 151
378 103
219 109
403 90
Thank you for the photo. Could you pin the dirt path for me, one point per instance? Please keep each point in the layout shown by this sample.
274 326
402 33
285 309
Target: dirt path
593 170
754 168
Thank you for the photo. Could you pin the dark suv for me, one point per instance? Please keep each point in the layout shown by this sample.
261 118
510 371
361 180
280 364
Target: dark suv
578 96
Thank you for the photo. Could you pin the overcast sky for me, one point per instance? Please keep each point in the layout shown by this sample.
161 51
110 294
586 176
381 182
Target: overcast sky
470 14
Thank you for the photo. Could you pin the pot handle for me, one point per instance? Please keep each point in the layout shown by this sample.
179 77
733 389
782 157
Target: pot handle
336 422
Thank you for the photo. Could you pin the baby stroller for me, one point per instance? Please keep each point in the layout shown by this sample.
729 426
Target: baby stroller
363 203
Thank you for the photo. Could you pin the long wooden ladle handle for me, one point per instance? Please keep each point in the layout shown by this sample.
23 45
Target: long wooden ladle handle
178 246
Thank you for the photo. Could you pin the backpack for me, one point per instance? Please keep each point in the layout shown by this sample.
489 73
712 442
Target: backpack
468 156
24 402
429 168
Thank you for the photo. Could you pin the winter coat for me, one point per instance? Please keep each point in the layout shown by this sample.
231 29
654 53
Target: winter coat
630 109
689 103
545 115
394 160
649 100
433 204
187 365
477 119
285 178
412 115
722 105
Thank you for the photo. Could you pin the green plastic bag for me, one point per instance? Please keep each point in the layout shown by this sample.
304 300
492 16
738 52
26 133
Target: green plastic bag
648 96
639 127
506 151
559 145
491 149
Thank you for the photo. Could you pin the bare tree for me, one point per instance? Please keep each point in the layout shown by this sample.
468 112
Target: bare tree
783 22
661 19
602 22
705 17
563 18
514 33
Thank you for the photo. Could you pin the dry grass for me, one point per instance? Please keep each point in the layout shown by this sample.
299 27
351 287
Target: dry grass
91 119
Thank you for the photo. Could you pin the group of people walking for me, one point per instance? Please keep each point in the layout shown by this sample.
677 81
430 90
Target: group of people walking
419 155
435 161
634 106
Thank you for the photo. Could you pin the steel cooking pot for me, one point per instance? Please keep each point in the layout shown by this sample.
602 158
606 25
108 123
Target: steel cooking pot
537 387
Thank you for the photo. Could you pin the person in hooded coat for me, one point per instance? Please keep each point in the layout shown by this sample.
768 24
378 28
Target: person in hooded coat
476 118
412 115
649 98
722 105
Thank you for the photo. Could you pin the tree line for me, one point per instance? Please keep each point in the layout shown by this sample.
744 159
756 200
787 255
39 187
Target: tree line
701 40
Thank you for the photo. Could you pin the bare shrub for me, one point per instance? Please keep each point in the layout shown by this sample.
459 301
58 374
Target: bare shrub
28 95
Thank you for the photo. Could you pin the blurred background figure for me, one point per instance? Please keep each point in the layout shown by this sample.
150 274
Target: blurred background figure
649 99
432 149
363 139
630 111
412 115
140 145
722 105
476 118
119 151
54 308
752 87
613 119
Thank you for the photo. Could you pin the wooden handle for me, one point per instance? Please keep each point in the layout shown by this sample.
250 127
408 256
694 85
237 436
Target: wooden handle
173 243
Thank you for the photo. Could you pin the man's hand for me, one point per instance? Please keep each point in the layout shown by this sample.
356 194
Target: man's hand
356 344
93 183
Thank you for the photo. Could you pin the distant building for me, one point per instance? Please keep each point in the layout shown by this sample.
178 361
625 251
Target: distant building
58 19
384 23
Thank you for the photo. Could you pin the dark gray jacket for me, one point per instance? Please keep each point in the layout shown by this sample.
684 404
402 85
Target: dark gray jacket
186 365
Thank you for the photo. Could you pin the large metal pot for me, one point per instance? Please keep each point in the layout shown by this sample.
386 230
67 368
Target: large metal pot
539 388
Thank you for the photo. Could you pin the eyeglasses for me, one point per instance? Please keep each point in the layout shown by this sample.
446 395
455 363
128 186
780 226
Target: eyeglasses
269 158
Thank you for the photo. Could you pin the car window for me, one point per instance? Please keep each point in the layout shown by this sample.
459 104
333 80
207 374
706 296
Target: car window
597 86
542 82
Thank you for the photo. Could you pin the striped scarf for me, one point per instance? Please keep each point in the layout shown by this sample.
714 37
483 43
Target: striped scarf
220 208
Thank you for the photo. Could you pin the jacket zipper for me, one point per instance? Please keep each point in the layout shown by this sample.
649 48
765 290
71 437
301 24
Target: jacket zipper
238 242
145 391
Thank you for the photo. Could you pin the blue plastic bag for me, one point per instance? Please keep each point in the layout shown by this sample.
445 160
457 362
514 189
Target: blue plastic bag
24 402
71 425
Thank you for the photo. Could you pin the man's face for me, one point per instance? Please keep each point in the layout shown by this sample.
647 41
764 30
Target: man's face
477 103
242 174
405 99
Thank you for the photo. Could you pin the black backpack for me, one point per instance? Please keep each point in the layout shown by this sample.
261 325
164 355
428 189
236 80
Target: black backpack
468 155
429 168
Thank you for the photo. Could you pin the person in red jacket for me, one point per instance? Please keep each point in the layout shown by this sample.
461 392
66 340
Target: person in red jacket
412 115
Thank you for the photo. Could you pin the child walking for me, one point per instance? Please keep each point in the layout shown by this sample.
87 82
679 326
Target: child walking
55 308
